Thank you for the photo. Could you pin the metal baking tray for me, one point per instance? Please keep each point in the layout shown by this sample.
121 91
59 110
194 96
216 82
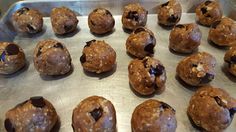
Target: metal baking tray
65 92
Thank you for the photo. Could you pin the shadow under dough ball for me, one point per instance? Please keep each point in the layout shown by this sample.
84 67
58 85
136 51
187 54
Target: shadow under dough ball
230 58
33 115
169 13
28 20
185 38
52 58
101 21
141 43
147 76
211 109
134 15
98 57
197 69
63 20
12 58
95 114
223 32
153 116
208 12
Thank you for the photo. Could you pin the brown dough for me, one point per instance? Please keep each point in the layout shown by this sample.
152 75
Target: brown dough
230 58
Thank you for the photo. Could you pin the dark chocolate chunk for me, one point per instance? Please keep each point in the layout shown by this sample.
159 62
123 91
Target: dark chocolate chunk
108 13
215 24
207 2
208 15
12 49
89 43
207 78
232 111
95 10
204 10
194 65
166 106
180 26
8 126
68 27
96 113
92 23
145 62
139 29
39 52
157 71
3 55
219 101
165 4
233 59
58 45
172 18
22 10
37 101
30 29
149 48
83 58
133 15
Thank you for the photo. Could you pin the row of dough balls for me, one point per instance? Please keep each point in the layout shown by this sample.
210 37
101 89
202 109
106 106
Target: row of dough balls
211 109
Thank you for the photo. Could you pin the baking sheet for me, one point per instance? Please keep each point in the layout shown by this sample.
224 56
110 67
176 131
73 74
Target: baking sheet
67 91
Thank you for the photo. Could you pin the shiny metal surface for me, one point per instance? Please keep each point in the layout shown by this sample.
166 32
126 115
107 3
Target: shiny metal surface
67 91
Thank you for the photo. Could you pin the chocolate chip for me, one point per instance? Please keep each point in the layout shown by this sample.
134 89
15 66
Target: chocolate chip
149 48
37 101
58 45
92 23
68 27
83 58
157 71
22 10
95 10
207 78
89 43
108 13
207 2
219 101
3 55
204 10
133 15
39 52
12 49
165 4
96 113
232 111
215 24
180 26
31 29
166 106
145 62
208 15
8 126
139 29
194 65
233 59
172 18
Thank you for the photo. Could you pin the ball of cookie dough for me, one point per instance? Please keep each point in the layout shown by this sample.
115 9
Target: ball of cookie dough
134 15
52 58
197 69
141 43
98 57
12 58
101 21
153 116
230 58
28 20
94 114
147 76
33 115
169 13
223 32
208 12
63 20
185 38
211 109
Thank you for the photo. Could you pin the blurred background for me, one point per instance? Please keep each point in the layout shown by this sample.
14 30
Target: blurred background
5 4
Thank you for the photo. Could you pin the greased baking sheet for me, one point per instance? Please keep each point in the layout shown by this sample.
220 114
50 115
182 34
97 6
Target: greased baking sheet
67 91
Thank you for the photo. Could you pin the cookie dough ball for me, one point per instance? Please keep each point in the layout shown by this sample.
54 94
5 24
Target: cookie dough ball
169 13
141 43
94 114
134 15
153 116
197 69
63 20
223 32
211 109
208 12
98 57
101 21
185 38
28 20
12 58
34 115
230 58
52 58
147 76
